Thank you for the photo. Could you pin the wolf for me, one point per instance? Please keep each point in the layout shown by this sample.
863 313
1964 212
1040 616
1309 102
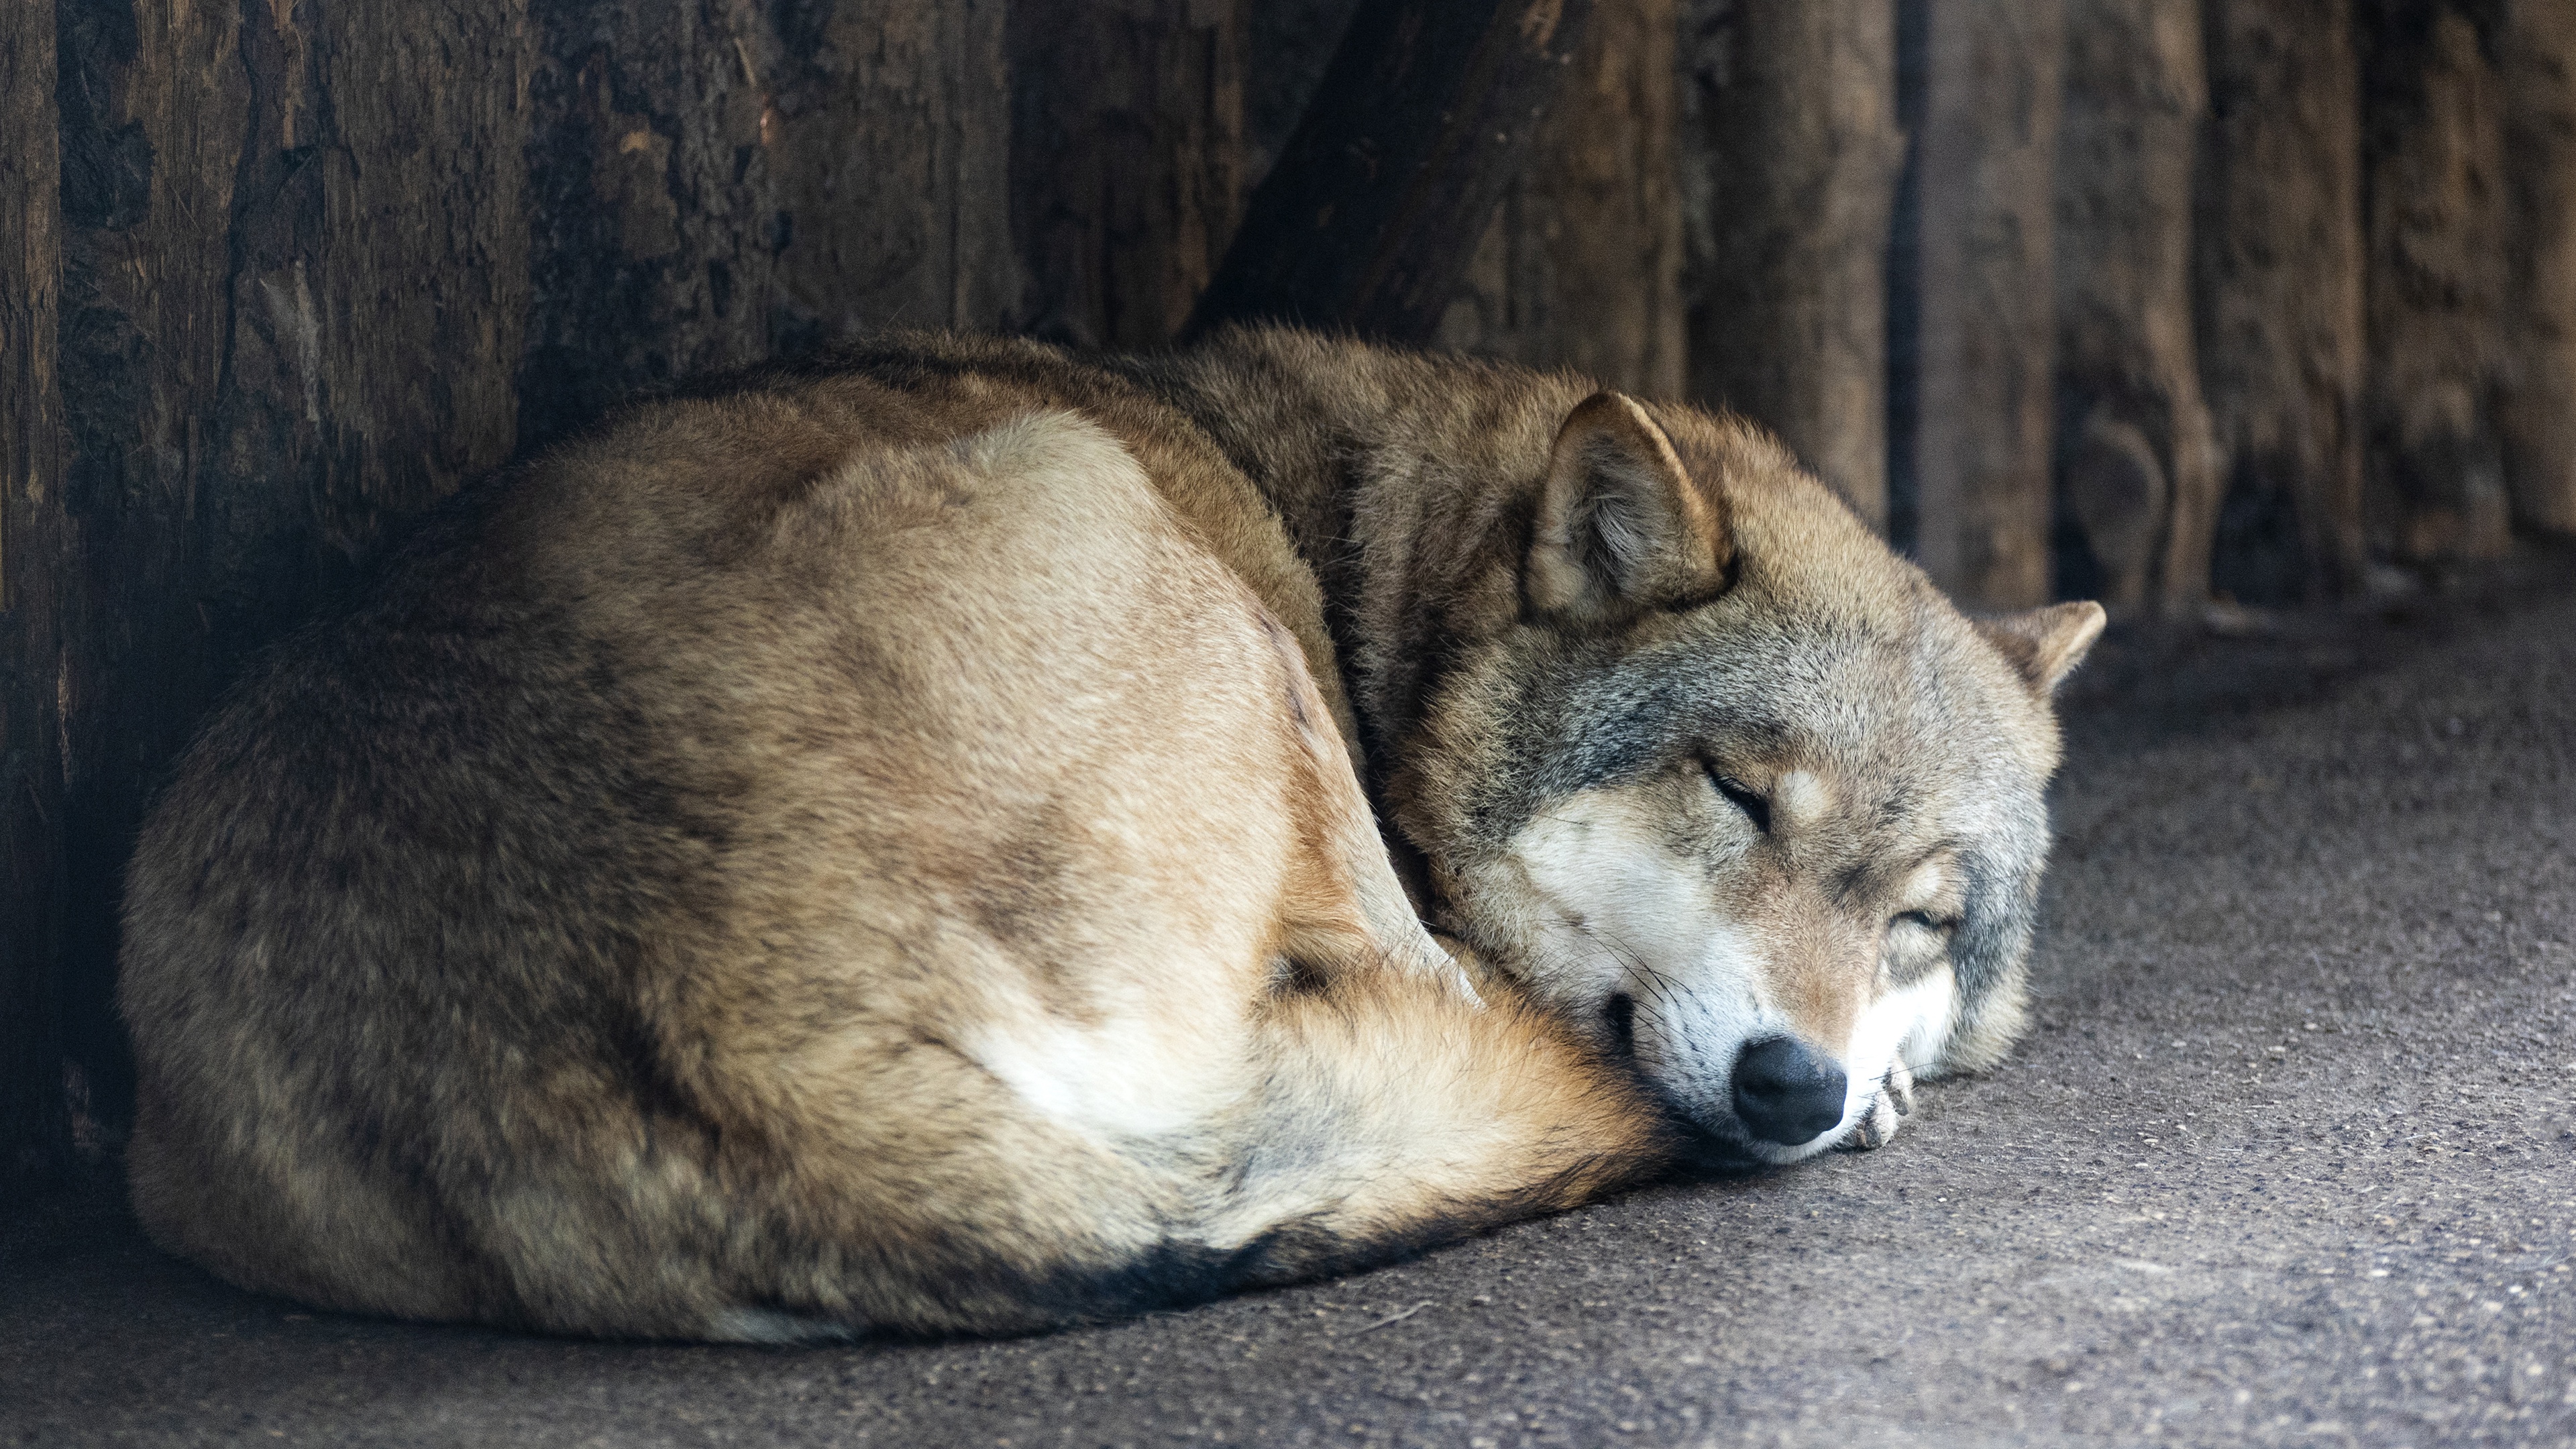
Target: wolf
960 837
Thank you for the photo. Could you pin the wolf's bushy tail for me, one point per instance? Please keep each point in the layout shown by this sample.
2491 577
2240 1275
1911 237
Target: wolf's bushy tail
1393 1113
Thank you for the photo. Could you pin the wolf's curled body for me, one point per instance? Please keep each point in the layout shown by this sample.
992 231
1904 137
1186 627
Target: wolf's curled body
905 845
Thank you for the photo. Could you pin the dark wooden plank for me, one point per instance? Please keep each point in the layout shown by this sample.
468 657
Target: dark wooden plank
153 127
894 164
1796 148
1581 265
1904 284
1985 327
1288 44
295 273
1127 162
2434 216
33 1139
2538 412
654 136
2278 261
2137 477
1426 113
713 184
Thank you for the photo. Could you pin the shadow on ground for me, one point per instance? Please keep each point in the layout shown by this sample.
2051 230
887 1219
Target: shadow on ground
2290 1158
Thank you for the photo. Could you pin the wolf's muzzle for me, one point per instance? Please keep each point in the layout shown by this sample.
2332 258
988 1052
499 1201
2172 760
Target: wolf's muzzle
1787 1092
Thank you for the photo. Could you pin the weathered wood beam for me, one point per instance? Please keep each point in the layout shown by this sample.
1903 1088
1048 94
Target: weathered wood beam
1797 149
2434 211
2278 273
32 569
1581 266
1425 115
2538 413
294 275
1127 163
715 184
1985 324
2137 476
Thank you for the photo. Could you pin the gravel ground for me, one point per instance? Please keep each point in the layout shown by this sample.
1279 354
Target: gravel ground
2289 1159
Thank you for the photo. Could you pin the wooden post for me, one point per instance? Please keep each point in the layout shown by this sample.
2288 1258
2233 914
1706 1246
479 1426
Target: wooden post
153 129
2137 477
2279 280
1127 161
1423 118
716 184
321 265
1581 266
294 271
2537 414
2434 208
32 809
1986 328
891 149
1796 149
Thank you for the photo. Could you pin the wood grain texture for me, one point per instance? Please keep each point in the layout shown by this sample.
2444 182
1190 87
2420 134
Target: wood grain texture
33 1131
1581 265
1127 162
2537 412
2434 211
1288 44
1411 139
154 123
2137 477
1986 325
714 184
294 269
2278 284
1795 151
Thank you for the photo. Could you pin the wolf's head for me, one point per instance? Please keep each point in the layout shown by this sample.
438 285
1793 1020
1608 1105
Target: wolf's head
1738 790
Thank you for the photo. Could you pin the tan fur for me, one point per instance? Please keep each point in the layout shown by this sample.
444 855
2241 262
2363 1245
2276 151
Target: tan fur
879 848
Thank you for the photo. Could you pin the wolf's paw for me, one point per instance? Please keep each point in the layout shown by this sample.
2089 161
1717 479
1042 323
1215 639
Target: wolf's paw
1887 1110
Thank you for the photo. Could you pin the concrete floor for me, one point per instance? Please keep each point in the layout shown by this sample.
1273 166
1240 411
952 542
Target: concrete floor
2290 1159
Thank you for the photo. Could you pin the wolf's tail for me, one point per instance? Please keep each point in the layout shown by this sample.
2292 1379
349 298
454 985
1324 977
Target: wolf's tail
1380 1113
1394 1113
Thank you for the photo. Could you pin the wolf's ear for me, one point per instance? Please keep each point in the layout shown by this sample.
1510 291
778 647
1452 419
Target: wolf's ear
1621 528
2045 644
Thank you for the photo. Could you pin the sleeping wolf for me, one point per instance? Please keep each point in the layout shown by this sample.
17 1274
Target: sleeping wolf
943 842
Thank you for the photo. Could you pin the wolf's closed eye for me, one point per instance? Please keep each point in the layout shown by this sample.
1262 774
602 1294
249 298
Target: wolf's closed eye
1742 796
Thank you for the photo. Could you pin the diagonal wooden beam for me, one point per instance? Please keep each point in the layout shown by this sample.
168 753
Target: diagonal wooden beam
1419 124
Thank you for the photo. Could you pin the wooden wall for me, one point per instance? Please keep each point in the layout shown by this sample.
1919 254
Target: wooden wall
275 277
308 268
1795 153
33 1130
2277 318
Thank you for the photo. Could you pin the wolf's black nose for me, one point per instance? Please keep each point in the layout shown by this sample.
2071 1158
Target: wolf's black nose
1787 1092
